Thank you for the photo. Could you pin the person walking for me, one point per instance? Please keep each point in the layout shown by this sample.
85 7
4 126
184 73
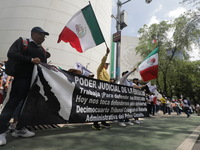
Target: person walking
186 105
168 107
178 107
163 104
198 109
25 61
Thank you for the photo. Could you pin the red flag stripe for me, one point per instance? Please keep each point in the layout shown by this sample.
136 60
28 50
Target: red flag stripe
69 36
149 73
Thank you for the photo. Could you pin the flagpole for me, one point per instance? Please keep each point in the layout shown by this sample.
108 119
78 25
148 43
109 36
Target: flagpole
106 44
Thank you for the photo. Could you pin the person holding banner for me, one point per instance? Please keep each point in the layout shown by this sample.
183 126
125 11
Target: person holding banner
103 75
137 85
25 61
124 81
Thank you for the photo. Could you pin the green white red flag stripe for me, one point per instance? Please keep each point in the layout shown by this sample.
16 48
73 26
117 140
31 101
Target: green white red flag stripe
149 67
82 31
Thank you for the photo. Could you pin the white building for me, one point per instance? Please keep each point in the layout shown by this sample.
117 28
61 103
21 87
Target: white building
129 59
18 17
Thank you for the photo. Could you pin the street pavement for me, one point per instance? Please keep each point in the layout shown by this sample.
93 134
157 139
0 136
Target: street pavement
161 132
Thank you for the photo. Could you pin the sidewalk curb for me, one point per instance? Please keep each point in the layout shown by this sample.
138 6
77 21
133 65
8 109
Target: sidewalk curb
189 142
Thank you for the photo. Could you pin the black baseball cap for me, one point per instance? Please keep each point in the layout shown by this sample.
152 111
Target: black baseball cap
40 30
135 79
125 72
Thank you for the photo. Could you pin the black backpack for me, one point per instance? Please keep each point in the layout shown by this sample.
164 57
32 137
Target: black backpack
10 64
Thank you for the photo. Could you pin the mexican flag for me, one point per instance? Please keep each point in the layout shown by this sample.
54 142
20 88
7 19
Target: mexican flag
82 31
149 67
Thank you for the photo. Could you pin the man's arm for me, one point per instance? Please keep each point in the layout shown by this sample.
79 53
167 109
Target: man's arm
122 80
103 61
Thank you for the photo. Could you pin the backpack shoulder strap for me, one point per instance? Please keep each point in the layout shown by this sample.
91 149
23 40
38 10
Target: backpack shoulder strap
25 43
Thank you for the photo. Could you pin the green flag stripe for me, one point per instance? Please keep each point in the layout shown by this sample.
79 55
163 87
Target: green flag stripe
112 64
91 20
152 53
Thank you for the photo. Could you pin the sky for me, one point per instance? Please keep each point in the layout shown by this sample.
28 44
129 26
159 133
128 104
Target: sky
140 13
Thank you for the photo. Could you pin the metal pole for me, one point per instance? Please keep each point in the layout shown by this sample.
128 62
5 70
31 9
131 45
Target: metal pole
118 21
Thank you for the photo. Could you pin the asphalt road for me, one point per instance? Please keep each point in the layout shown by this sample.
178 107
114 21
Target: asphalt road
162 132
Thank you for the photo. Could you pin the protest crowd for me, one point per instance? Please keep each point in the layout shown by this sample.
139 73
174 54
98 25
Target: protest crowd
25 83
14 89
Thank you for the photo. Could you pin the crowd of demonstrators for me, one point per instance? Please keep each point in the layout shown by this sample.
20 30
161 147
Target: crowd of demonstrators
25 61
167 105
181 105
15 88
6 88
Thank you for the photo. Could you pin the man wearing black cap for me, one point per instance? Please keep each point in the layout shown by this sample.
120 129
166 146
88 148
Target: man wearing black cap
25 60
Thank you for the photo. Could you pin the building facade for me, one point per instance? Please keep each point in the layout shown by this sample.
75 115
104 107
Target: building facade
18 17
129 59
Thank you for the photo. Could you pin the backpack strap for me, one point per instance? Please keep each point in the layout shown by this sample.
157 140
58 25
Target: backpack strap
24 43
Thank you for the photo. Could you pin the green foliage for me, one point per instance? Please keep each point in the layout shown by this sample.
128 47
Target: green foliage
177 75
187 79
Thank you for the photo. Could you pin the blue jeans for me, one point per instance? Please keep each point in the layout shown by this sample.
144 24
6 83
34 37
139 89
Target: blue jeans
19 91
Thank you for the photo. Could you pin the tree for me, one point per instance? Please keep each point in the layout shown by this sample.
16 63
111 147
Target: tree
186 81
195 2
175 41
194 15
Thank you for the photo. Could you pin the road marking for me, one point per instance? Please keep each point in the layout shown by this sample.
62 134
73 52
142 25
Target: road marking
189 142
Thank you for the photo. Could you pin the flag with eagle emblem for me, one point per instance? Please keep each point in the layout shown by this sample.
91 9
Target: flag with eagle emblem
149 67
82 31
